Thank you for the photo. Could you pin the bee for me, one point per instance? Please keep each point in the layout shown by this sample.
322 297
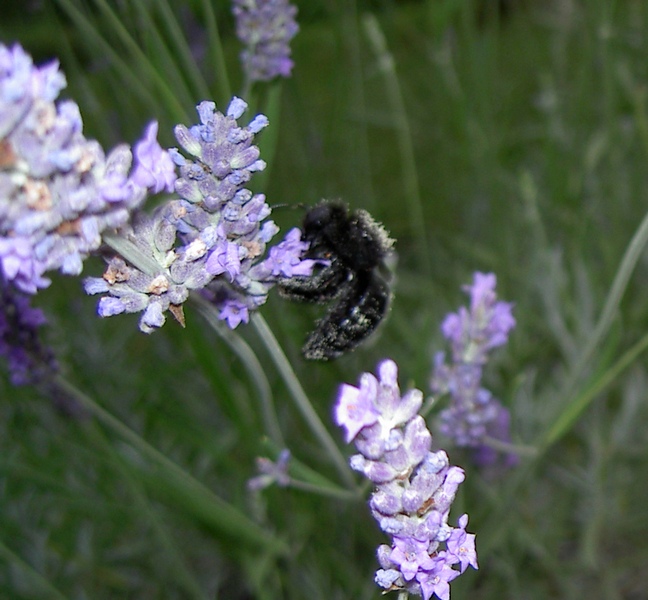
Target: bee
353 248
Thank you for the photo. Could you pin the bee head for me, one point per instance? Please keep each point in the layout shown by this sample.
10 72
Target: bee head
325 215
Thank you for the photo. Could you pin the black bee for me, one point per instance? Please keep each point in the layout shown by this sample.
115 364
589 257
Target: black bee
355 247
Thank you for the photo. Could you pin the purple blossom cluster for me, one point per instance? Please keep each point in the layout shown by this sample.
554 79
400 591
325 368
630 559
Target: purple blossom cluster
29 361
58 190
58 193
474 415
211 238
266 28
61 197
415 486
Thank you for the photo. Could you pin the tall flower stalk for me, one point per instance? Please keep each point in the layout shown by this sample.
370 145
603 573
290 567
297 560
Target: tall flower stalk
474 416
212 238
59 193
58 190
415 486
266 28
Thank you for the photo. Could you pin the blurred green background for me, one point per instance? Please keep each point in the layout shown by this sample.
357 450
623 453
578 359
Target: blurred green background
507 137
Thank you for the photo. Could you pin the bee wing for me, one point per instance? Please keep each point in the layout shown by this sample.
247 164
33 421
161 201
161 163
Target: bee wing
355 315
323 285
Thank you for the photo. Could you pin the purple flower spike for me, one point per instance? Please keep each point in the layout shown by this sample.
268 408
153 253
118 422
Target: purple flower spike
28 360
211 239
266 28
486 326
474 414
415 487
58 190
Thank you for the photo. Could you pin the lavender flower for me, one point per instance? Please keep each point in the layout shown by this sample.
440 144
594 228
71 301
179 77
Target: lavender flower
28 360
271 472
212 238
415 486
58 191
474 414
266 28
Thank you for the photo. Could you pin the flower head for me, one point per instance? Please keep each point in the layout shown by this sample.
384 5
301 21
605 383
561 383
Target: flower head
415 486
58 190
28 360
472 333
474 414
266 28
212 238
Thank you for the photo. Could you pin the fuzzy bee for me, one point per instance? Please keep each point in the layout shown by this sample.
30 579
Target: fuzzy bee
352 280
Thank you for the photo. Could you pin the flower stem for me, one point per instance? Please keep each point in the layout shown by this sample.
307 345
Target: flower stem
386 65
194 496
575 408
337 493
250 362
609 313
47 589
180 574
217 54
301 400
508 448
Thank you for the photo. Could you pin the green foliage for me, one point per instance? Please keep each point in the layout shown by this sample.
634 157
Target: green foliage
510 141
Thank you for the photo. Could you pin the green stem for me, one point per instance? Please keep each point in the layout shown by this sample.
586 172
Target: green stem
403 133
224 89
507 448
146 264
268 141
337 493
578 406
246 90
301 400
180 572
250 362
127 67
619 285
195 496
639 102
493 533
47 590
186 59
158 46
